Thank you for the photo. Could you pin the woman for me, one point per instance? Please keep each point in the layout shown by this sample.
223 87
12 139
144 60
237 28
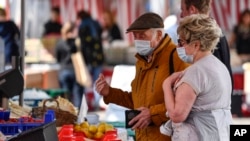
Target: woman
111 30
198 99
241 36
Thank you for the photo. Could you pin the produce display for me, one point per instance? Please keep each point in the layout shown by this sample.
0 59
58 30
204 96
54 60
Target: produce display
88 132
92 131
18 111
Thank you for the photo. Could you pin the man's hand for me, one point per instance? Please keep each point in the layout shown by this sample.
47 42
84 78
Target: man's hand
142 120
101 85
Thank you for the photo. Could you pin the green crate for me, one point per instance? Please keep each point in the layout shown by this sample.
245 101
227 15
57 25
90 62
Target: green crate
56 92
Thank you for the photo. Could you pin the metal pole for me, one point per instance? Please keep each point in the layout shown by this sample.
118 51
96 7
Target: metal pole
22 50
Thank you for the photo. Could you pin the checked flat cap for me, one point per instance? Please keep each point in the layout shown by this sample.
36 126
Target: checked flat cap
146 21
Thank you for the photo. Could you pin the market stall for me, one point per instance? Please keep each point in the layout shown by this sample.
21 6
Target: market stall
57 119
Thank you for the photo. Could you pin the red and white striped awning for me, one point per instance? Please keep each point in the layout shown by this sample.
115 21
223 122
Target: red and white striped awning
227 12
126 11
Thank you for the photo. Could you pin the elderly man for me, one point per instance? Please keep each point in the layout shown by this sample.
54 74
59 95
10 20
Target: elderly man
156 60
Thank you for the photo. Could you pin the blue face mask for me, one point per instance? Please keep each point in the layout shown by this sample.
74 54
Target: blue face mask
183 56
143 47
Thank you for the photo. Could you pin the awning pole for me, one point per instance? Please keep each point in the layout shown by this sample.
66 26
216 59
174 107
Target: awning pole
22 50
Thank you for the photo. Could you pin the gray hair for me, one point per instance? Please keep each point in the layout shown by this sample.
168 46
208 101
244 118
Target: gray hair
202 28
159 29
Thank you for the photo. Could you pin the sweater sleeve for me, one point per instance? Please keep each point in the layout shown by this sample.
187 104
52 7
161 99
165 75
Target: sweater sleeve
119 97
158 114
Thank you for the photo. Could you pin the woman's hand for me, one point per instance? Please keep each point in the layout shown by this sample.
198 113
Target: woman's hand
173 79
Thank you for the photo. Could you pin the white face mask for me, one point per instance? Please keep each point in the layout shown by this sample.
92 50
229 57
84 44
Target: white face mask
143 47
183 56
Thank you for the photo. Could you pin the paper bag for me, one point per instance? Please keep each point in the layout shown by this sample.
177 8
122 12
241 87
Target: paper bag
82 74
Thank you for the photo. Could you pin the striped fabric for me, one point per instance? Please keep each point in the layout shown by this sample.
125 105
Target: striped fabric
121 8
226 12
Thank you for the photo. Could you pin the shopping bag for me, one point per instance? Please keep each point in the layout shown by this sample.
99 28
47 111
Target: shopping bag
82 74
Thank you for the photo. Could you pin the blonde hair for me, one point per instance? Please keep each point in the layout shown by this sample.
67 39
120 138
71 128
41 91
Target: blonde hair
202 28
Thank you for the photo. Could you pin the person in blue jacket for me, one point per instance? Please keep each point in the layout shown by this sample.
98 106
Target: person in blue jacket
90 32
10 34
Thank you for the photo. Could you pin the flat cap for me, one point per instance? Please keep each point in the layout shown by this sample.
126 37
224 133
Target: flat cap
146 21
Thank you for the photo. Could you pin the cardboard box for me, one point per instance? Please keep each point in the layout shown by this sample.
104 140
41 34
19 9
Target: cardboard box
33 80
42 79
50 79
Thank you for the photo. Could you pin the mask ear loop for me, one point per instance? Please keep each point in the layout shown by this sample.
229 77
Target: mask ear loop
195 52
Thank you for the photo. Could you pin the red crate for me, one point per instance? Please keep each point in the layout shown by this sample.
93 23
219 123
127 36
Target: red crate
238 81
14 126
67 134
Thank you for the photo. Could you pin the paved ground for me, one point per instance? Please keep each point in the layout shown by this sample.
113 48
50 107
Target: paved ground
245 120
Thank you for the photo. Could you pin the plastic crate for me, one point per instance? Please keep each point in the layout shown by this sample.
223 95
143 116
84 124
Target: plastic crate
45 132
32 102
15 126
118 124
4 115
56 92
66 134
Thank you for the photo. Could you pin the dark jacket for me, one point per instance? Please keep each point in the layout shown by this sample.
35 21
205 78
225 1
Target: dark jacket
222 53
10 33
114 33
52 28
242 40
91 42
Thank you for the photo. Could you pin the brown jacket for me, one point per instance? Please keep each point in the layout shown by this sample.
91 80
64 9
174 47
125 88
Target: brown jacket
147 89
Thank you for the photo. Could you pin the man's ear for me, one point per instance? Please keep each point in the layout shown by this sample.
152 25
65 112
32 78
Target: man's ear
193 10
159 34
